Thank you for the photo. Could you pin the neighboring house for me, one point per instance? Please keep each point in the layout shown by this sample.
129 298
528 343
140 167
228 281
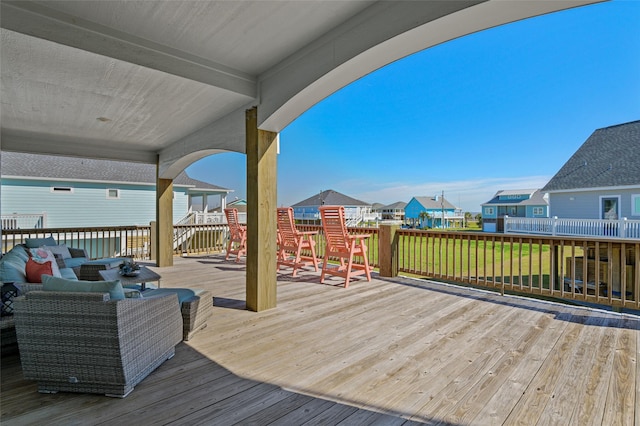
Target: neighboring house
377 209
394 211
513 203
238 203
602 179
55 192
356 211
432 212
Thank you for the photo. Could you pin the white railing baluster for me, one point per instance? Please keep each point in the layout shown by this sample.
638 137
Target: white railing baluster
623 228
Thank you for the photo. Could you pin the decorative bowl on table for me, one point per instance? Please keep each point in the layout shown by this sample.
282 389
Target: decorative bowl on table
129 268
130 273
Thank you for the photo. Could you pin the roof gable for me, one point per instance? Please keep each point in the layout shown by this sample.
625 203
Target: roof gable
435 203
610 157
537 198
330 198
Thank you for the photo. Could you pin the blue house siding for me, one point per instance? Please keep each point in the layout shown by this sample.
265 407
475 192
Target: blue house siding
413 209
586 204
87 203
540 210
489 212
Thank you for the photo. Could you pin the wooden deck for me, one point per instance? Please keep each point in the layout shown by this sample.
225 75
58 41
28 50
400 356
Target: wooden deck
388 352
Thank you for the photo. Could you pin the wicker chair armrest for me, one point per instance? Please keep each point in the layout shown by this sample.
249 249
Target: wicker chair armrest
78 252
62 334
28 287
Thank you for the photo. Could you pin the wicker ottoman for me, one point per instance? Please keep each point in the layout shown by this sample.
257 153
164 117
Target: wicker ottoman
196 306
89 271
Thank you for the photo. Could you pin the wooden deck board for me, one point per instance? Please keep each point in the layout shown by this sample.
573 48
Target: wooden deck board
398 351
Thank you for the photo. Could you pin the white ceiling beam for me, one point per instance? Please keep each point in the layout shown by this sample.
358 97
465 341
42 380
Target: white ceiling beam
36 143
38 20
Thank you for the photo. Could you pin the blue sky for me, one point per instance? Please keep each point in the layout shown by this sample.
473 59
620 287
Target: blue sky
501 109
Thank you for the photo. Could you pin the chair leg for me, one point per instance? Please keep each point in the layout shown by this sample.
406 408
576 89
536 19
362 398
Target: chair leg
367 270
325 264
228 250
296 260
313 255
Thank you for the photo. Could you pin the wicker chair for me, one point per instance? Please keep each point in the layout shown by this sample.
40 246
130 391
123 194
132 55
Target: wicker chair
84 342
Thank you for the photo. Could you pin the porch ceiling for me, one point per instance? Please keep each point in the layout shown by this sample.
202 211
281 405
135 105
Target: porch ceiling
134 80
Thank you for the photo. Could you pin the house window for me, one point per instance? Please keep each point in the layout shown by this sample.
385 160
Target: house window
488 211
635 205
113 194
538 211
62 190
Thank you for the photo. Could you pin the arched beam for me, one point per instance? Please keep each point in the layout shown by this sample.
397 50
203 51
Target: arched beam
386 32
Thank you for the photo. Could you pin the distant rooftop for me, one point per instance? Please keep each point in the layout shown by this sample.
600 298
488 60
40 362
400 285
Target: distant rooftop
610 157
330 198
25 165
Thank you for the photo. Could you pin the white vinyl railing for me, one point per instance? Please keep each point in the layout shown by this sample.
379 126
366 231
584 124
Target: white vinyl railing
24 221
622 228
204 218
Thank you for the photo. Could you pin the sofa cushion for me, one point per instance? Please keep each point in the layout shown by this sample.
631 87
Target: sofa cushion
35 270
114 288
12 268
20 251
75 262
61 249
184 294
39 242
68 274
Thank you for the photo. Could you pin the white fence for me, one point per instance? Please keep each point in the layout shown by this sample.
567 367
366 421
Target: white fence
623 228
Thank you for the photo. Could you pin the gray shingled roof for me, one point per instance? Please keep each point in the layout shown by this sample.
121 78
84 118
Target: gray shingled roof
18 164
610 157
536 199
330 198
396 205
430 203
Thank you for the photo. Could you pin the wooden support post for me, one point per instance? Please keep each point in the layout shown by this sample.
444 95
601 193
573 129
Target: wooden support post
261 215
164 216
153 237
388 248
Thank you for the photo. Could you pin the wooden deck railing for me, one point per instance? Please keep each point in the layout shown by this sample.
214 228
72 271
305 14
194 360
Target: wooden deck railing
130 241
560 267
563 267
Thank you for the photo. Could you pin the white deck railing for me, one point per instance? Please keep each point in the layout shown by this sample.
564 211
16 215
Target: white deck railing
622 228
24 221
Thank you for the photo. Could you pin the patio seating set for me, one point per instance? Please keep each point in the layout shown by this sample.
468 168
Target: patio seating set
101 335
292 244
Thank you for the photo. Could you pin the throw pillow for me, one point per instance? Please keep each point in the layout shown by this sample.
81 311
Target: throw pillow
41 255
60 249
114 288
60 261
35 270
39 242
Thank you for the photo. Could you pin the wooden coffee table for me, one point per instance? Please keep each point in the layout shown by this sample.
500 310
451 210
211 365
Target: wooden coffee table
146 275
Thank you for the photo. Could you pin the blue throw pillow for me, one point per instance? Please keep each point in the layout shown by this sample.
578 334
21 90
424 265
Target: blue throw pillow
39 242
114 288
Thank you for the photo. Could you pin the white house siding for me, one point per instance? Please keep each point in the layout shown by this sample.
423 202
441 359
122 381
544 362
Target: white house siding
88 204
586 204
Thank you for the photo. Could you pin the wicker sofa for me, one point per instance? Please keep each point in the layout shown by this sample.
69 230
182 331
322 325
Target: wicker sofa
86 342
